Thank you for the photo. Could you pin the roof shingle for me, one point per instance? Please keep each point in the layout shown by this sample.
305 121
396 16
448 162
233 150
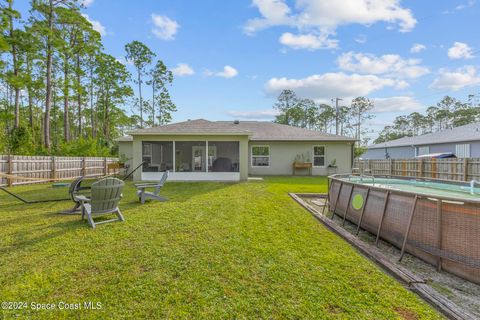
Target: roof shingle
469 132
256 130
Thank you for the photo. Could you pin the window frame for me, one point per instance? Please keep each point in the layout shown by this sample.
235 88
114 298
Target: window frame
324 155
420 147
465 147
260 156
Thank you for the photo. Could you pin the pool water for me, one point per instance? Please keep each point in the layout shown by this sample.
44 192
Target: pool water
432 188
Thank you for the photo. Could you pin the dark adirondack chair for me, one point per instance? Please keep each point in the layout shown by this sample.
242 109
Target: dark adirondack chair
76 190
143 194
105 195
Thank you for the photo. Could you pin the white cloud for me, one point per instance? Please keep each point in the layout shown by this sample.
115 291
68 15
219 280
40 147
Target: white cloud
396 104
164 27
322 18
228 72
361 38
86 3
97 26
378 122
460 50
325 86
389 64
273 12
417 47
183 69
456 80
124 61
260 114
307 41
468 4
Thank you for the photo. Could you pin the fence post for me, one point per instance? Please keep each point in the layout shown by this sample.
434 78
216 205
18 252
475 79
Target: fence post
10 170
53 172
105 166
422 169
84 167
434 168
391 167
465 169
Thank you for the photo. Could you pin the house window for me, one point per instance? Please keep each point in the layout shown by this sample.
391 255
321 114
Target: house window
423 150
462 150
260 156
319 156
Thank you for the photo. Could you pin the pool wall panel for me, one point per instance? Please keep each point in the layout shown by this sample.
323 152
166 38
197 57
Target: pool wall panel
442 233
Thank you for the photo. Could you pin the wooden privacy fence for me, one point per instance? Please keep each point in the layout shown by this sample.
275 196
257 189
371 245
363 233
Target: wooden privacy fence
446 169
51 168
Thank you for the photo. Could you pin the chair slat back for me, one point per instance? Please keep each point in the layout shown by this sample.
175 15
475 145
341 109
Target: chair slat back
106 194
164 177
74 187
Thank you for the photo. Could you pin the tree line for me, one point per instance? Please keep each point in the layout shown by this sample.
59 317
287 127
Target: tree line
350 120
61 93
306 113
446 114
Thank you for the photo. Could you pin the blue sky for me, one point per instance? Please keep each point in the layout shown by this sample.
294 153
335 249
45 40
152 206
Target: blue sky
236 56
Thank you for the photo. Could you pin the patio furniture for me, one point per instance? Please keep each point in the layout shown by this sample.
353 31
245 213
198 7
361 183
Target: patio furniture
302 165
222 165
143 194
74 191
105 195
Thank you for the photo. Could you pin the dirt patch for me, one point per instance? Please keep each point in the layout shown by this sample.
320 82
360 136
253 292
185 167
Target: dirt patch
406 314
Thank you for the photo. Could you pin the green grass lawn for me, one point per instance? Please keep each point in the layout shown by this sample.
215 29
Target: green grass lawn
215 250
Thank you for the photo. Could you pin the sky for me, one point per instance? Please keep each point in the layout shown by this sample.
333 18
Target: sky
231 59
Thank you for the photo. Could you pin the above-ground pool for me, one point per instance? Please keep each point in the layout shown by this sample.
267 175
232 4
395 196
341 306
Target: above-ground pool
437 221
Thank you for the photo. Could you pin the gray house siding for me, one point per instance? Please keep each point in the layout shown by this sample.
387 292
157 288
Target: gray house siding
410 152
283 153
393 152
451 147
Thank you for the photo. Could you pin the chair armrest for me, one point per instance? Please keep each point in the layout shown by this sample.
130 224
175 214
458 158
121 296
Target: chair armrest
147 185
82 198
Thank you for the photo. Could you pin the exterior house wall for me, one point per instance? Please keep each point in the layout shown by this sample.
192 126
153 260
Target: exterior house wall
410 152
283 153
125 151
451 147
243 152
407 152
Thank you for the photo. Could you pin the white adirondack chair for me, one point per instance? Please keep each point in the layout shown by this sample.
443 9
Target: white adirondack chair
143 194
105 195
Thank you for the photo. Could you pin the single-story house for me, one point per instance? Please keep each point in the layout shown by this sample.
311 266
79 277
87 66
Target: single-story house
463 142
231 150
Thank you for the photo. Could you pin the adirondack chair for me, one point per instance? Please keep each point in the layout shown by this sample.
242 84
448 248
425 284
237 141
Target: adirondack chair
143 194
105 195
74 191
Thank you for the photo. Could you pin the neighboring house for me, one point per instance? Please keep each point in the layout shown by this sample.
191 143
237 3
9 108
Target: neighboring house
463 142
236 149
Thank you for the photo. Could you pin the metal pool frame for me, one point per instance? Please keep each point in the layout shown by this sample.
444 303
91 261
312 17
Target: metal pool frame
443 231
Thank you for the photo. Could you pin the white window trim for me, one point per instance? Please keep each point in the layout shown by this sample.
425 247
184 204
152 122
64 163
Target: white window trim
425 147
324 156
465 147
251 156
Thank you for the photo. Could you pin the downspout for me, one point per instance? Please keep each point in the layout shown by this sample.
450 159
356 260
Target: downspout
352 158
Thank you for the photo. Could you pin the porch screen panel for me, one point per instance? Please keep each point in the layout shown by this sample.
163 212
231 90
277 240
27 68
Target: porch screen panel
157 156
190 156
223 156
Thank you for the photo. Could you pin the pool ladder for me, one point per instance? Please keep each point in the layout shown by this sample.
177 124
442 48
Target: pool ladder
472 186
368 176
